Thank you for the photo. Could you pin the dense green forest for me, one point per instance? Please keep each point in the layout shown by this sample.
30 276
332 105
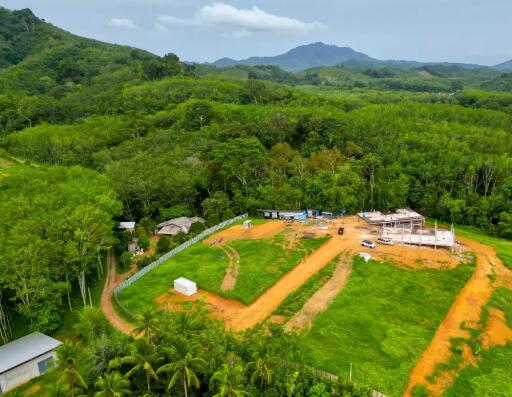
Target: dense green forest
93 133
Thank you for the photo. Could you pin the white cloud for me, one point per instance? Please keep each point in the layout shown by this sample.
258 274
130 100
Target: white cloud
252 19
124 23
168 20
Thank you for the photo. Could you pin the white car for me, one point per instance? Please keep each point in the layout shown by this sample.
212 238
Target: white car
368 244
385 241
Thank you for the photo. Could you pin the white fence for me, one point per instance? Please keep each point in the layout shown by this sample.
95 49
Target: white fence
174 251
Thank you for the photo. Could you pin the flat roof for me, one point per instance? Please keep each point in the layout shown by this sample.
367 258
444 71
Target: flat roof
400 215
25 349
185 282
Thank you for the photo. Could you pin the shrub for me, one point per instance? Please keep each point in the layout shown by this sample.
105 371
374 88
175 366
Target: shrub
143 241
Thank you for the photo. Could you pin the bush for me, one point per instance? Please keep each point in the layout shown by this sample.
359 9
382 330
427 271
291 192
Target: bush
91 323
125 260
143 241
146 261
163 245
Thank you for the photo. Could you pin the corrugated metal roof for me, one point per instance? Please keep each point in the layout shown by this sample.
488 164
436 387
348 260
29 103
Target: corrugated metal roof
25 349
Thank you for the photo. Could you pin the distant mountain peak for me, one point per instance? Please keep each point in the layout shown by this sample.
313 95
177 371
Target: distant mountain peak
303 57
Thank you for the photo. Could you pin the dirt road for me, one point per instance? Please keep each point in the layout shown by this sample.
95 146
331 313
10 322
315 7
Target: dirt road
113 280
467 308
229 281
324 296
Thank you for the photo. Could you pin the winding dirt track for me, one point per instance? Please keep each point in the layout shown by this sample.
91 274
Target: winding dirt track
467 308
113 280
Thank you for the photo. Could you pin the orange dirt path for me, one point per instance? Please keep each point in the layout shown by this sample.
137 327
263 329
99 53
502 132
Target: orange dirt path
323 297
233 268
467 308
239 317
112 281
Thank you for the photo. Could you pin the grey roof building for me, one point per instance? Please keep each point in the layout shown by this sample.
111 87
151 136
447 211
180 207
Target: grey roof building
26 358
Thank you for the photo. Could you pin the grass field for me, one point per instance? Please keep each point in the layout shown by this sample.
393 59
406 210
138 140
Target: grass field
294 302
382 321
491 376
204 264
263 262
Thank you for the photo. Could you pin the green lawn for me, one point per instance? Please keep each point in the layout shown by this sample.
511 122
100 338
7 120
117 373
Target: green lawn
382 321
263 262
491 376
204 264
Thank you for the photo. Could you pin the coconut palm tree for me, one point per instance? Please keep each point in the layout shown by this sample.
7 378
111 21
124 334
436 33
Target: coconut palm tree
112 385
185 363
261 370
67 365
142 357
230 378
147 324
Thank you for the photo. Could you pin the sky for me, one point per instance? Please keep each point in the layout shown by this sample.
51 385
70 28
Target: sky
469 31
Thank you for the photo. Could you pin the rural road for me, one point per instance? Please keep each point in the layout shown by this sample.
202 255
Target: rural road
466 308
113 280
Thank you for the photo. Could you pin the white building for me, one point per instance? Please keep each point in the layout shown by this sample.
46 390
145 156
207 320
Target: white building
26 358
185 286
129 226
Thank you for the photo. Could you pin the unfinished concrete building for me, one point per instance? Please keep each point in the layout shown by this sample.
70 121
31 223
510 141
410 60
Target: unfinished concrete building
402 217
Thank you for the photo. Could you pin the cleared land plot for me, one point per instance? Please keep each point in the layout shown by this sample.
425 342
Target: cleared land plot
263 262
381 322
204 264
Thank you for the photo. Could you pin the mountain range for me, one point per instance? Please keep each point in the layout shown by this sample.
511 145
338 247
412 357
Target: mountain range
320 54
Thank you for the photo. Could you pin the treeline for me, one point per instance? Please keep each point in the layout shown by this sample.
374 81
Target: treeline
186 353
449 162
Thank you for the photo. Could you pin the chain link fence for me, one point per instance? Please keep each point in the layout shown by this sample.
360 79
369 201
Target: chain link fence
170 254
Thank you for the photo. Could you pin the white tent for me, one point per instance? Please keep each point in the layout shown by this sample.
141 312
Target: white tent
247 224
185 286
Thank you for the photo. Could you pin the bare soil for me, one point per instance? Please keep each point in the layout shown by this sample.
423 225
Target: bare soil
229 281
323 297
466 309
112 281
239 317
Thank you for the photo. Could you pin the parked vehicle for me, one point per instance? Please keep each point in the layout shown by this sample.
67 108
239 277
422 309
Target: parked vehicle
385 241
341 231
368 244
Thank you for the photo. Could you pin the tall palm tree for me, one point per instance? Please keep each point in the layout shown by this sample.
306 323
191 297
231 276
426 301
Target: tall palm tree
67 365
184 364
113 385
142 357
147 324
230 378
261 370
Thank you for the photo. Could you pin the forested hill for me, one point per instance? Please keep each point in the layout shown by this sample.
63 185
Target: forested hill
92 134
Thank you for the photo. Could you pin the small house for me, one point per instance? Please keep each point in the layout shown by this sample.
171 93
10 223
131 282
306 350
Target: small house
26 358
185 286
177 225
